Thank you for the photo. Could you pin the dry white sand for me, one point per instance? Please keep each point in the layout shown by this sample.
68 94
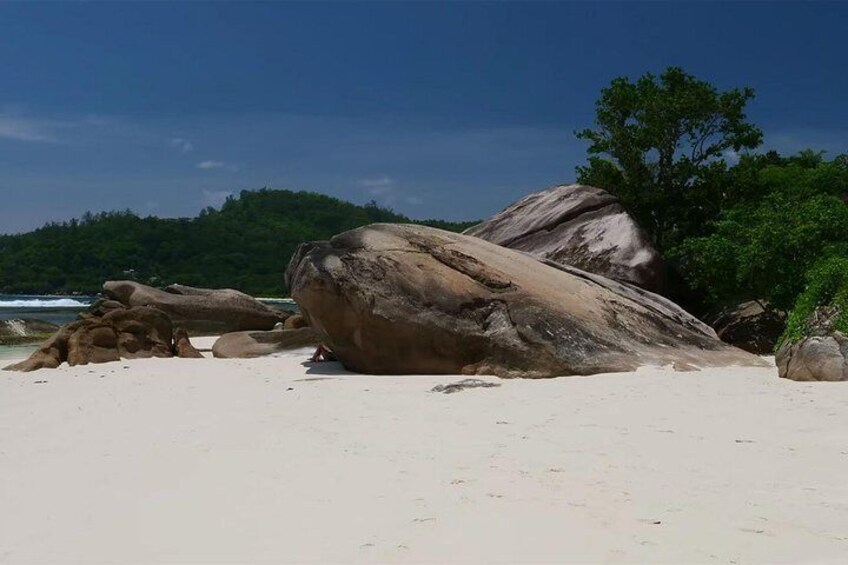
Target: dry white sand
267 460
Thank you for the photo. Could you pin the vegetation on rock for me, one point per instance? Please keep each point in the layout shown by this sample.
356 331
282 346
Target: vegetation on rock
826 295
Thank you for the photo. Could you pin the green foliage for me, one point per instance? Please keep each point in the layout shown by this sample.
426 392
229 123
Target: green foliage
793 216
827 285
752 230
245 245
659 144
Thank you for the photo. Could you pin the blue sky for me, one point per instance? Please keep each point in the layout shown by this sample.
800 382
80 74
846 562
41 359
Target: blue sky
437 110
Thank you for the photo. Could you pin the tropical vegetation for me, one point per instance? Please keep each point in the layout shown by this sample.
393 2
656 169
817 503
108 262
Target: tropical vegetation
732 224
245 245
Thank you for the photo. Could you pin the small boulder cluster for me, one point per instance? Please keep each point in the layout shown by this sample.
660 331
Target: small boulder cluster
110 332
135 321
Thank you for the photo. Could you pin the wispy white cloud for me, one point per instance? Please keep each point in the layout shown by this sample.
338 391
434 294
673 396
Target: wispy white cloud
24 129
215 198
378 186
222 165
211 165
181 145
385 189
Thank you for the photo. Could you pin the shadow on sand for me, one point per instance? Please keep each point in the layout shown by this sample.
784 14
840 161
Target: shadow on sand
325 368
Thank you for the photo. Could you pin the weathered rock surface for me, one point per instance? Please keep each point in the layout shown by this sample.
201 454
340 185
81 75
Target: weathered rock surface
752 326
415 300
198 309
581 226
821 355
122 333
294 322
183 347
100 307
20 331
245 345
52 353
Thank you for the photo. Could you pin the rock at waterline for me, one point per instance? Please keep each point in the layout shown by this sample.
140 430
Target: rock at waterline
404 299
199 309
22 331
121 333
578 225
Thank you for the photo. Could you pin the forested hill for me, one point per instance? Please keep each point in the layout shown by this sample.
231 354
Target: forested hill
244 245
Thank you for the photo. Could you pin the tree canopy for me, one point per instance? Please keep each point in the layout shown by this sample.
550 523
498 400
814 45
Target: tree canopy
245 245
762 248
659 144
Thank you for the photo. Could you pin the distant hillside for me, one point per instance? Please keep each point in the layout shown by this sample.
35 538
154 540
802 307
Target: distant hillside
245 245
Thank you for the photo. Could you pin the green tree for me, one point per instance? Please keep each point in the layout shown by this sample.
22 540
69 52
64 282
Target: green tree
659 144
763 248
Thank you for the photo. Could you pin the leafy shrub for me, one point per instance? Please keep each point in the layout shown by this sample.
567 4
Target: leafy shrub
827 286
763 248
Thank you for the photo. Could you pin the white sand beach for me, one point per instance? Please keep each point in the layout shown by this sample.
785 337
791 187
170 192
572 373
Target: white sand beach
271 460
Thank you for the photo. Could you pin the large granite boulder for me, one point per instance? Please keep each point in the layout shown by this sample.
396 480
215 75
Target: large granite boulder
821 354
245 345
409 299
198 310
130 333
753 326
21 331
581 226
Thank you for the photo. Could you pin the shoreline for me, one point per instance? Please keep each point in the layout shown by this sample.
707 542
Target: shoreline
13 353
277 460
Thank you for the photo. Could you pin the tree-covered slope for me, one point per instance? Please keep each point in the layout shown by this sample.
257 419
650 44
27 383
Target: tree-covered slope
244 245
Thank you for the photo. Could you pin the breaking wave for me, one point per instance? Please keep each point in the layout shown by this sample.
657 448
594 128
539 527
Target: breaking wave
36 303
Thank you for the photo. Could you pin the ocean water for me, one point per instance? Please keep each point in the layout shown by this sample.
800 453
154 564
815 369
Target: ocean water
56 309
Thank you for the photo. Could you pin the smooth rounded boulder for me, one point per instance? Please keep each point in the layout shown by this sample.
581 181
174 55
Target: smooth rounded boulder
404 299
819 354
196 309
246 345
816 358
581 226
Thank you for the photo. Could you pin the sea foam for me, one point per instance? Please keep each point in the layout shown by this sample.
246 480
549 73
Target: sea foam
43 303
